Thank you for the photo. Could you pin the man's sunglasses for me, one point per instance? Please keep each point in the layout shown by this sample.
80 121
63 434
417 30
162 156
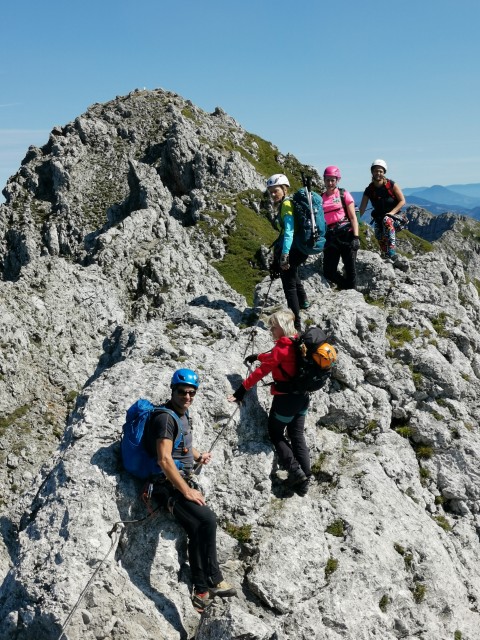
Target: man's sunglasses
186 392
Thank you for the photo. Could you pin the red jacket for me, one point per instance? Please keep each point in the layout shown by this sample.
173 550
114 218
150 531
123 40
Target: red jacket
283 353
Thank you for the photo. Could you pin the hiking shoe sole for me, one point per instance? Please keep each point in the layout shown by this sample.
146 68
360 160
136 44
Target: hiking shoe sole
201 604
222 590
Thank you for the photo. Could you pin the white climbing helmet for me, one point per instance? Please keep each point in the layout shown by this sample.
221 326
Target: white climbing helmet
278 180
379 163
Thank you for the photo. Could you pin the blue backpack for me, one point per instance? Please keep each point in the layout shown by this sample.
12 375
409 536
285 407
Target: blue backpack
135 457
310 227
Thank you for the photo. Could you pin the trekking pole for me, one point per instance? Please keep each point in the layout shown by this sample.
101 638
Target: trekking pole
251 337
307 184
198 466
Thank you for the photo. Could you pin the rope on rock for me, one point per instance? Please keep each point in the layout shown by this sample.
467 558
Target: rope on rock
115 532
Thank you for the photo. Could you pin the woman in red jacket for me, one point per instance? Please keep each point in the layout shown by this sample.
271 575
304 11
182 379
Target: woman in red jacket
288 410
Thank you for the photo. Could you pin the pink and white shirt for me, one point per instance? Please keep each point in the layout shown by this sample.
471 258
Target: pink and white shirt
332 206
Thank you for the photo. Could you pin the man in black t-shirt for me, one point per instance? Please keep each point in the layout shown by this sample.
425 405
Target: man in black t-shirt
176 456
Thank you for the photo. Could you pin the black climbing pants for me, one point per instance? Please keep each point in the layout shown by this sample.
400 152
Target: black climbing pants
292 285
340 246
200 523
287 418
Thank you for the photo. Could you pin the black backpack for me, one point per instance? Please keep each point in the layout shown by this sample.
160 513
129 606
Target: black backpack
315 360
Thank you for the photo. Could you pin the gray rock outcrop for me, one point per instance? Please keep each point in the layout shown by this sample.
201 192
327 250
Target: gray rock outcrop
109 285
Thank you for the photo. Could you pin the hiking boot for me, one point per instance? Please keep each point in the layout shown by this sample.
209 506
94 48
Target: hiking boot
301 489
223 589
201 601
305 305
296 476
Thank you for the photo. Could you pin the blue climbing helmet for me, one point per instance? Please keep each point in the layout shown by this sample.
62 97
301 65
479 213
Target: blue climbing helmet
185 376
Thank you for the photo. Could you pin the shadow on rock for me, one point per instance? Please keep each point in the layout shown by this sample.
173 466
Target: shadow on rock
229 307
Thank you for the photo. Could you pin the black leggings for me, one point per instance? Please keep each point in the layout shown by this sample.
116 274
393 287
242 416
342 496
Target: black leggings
288 413
336 247
200 523
292 285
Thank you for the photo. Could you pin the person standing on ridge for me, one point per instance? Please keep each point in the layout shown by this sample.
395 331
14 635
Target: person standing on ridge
288 410
387 201
287 256
176 489
342 231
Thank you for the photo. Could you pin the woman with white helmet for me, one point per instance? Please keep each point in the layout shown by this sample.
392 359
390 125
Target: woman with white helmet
288 256
342 239
387 201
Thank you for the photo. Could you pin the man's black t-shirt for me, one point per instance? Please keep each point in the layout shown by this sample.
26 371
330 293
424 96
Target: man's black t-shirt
162 425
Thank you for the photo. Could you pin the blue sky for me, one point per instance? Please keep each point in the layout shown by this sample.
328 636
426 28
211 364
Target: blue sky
331 82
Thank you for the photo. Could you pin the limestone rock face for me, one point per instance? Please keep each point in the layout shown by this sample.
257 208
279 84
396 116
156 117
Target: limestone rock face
108 287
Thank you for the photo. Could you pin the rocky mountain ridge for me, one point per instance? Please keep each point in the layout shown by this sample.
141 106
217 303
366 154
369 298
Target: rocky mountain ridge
110 239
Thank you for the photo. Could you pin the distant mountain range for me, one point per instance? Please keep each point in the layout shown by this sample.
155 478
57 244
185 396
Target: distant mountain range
455 198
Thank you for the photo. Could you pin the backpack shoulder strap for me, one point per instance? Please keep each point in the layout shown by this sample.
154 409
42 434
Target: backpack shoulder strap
342 198
178 422
389 187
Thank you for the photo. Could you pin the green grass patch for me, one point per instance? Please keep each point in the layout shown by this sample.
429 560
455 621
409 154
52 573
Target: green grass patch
398 335
369 428
425 476
10 419
336 528
240 266
406 555
423 451
443 523
425 473
419 245
383 603
439 324
376 302
241 533
419 591
417 378
330 567
263 155
405 431
317 466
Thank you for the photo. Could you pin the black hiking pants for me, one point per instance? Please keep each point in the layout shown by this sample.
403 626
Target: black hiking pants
292 285
338 246
287 418
200 523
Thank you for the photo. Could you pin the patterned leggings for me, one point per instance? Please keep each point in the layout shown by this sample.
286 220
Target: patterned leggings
385 233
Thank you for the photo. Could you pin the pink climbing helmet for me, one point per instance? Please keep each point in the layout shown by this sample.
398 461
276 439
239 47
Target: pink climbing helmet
332 172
